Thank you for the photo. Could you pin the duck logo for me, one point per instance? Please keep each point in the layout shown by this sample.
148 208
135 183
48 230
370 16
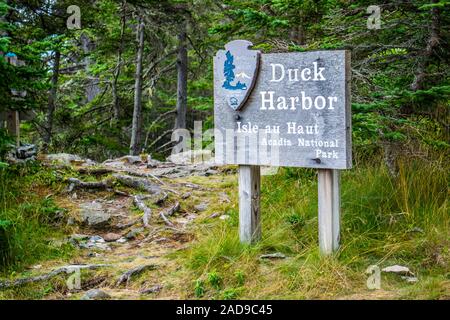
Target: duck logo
236 71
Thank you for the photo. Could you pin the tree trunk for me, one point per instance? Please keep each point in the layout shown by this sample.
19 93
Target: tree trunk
52 100
116 102
182 70
432 44
137 112
92 89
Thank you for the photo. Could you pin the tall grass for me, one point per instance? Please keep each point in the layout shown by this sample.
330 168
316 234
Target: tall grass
28 217
385 220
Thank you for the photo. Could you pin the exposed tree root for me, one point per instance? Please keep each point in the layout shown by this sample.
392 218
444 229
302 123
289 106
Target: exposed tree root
138 202
126 277
75 183
6 284
138 183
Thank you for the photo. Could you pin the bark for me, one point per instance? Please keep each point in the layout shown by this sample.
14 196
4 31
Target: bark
137 112
432 44
52 100
92 89
182 70
116 99
126 277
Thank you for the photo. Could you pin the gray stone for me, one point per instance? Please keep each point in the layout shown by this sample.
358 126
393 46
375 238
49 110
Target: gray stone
191 157
93 215
398 270
276 255
154 289
96 294
186 195
410 279
201 207
133 233
110 237
131 159
121 240
67 159
224 217
317 106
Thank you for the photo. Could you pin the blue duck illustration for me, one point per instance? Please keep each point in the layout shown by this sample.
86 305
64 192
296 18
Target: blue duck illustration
228 73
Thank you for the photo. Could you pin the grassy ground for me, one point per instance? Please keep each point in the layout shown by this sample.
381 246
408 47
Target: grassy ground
385 221
29 218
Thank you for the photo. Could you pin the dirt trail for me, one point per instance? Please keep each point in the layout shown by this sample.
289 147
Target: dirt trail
105 207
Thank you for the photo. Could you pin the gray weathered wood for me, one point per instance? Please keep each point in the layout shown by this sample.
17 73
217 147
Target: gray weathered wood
182 75
13 126
137 111
329 210
317 102
249 201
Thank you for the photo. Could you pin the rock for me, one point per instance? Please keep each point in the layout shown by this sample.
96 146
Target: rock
214 215
186 195
224 197
152 163
191 157
96 239
131 159
67 159
93 215
276 255
96 294
224 217
398 270
76 238
416 229
211 172
410 279
26 151
95 242
133 233
201 207
153 289
121 240
110 237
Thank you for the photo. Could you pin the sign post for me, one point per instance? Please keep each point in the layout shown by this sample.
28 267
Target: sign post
283 109
249 200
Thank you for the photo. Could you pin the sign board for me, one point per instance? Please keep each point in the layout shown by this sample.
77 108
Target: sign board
282 109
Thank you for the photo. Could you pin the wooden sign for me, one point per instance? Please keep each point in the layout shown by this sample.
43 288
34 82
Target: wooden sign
297 113
283 109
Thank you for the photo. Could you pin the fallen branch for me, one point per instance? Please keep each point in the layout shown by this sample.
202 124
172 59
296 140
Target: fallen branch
138 183
144 175
6 284
161 200
173 209
94 171
166 221
78 184
169 212
138 202
126 277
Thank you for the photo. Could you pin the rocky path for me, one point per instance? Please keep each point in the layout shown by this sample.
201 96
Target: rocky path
127 218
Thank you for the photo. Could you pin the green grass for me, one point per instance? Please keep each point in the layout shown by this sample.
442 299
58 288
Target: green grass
29 218
403 220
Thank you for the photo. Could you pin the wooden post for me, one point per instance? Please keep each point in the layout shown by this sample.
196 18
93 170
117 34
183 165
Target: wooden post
249 195
13 126
329 210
